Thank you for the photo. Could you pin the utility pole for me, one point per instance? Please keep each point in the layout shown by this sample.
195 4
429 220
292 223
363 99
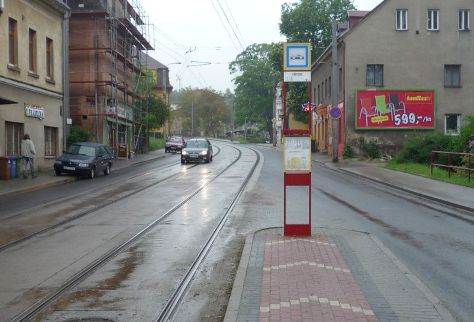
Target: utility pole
232 120
334 93
192 118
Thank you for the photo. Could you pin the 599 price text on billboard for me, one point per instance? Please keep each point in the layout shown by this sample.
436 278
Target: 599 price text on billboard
395 110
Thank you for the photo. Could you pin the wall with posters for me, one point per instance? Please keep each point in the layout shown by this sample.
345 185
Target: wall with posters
395 109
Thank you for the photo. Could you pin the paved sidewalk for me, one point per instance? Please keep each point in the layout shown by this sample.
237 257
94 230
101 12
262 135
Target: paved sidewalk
334 275
48 178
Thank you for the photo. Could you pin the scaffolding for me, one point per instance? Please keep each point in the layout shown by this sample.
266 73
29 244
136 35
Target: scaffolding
107 39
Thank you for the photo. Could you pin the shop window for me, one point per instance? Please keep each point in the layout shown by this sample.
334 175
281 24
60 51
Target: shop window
452 124
32 51
401 19
433 20
464 23
12 42
13 137
452 75
375 75
49 59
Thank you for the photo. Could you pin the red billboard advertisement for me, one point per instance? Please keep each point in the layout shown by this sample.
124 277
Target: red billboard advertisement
395 109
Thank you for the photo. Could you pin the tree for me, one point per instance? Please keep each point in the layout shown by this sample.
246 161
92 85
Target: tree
205 111
310 21
256 78
158 112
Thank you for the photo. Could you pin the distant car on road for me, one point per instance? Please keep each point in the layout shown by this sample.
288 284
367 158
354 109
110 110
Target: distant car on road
85 159
197 150
174 144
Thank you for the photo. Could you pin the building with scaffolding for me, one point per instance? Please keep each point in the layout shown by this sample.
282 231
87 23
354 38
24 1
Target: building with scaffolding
106 39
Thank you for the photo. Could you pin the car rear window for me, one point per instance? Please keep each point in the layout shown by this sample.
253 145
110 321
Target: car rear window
176 139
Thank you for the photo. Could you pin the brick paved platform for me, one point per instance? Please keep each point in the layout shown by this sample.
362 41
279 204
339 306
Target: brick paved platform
306 279
335 275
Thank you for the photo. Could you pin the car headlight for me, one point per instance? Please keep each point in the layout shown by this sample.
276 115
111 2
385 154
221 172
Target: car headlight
57 162
203 153
184 152
83 165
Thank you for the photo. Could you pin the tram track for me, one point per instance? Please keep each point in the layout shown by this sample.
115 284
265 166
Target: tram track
35 309
84 213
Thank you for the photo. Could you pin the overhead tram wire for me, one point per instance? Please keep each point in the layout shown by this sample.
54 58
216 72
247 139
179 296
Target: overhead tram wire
233 20
171 39
230 25
224 25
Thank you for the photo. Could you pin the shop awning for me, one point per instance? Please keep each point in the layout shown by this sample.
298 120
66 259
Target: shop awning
4 101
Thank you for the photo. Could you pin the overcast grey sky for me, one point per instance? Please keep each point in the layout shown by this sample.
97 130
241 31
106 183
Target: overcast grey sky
193 37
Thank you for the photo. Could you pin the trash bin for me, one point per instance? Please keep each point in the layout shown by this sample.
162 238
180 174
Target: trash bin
18 166
13 165
4 168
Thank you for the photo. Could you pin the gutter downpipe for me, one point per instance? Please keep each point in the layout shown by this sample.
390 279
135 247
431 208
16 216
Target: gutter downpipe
66 103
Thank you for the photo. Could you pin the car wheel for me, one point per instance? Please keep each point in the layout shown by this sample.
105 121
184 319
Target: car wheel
183 162
107 170
57 172
92 173
211 157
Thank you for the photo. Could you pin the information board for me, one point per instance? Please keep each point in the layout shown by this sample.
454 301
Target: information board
297 154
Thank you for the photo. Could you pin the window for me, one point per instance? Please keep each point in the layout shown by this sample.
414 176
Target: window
49 59
402 19
433 19
32 51
319 94
13 137
452 75
374 75
452 124
50 141
464 19
326 88
12 42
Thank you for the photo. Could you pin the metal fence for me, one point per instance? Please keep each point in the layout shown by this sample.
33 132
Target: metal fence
454 161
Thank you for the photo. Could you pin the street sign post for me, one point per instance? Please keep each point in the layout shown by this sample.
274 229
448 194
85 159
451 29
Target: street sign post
297 147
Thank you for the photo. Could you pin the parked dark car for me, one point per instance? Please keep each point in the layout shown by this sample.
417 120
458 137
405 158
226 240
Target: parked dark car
174 144
197 150
85 159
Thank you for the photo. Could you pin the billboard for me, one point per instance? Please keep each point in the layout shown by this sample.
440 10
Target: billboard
395 109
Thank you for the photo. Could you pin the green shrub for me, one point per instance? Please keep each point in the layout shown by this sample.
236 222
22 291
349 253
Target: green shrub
348 153
156 144
77 135
418 148
371 149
